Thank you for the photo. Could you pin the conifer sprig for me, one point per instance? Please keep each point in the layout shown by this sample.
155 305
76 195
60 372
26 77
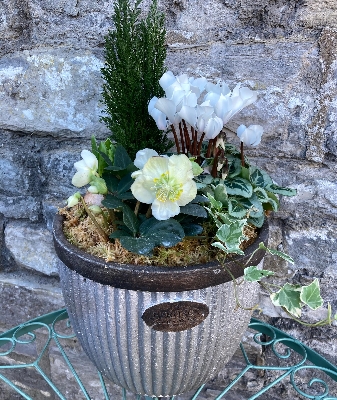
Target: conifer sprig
135 52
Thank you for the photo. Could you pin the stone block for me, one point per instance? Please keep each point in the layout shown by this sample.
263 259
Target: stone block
52 91
27 207
31 246
25 296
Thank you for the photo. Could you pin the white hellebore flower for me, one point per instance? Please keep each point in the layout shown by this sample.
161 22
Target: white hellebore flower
166 183
86 169
250 136
142 157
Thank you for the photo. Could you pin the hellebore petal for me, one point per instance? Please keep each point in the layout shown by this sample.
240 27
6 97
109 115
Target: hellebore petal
163 210
81 178
89 159
250 136
143 156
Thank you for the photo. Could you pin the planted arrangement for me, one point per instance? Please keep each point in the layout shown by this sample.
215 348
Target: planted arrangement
149 203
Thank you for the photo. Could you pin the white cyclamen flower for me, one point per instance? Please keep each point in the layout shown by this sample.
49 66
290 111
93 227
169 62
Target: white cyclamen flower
250 136
166 183
86 169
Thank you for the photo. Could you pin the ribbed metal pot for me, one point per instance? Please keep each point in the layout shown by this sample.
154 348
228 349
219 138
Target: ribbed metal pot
154 342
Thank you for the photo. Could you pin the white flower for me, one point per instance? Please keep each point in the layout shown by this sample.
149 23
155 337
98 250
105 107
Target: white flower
86 169
142 156
208 121
166 183
250 136
157 115
227 103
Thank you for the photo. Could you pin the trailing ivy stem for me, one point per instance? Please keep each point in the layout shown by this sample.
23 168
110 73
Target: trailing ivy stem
94 220
137 208
242 156
175 139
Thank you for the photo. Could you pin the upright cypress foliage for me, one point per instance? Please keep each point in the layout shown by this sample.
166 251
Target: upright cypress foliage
134 62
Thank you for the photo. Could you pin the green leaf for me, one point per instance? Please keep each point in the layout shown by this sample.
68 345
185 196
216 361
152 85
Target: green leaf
236 209
244 173
234 167
192 229
311 296
239 187
122 159
258 177
126 196
111 182
252 274
195 210
94 147
220 194
200 199
239 207
258 222
289 298
261 194
281 190
125 183
112 202
142 245
277 253
104 157
232 236
214 203
118 234
130 219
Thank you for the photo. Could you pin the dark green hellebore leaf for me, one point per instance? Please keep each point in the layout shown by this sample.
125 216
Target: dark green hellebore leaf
194 209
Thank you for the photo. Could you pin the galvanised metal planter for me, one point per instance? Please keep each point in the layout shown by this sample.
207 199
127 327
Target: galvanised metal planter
156 331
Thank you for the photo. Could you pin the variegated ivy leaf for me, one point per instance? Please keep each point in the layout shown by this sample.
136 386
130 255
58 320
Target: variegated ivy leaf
258 177
281 190
217 205
231 235
277 253
311 296
239 187
253 274
289 298
236 209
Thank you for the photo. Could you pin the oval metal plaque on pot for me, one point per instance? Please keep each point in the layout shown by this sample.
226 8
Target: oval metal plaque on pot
175 317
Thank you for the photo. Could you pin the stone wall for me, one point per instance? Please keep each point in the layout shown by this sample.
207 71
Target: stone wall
51 52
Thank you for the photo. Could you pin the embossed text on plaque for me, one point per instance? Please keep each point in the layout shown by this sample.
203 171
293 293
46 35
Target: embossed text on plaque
175 317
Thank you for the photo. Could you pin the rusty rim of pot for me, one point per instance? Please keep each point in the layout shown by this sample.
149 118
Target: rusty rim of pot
153 278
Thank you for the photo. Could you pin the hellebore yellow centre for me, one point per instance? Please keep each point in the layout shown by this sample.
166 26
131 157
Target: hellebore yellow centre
166 183
166 188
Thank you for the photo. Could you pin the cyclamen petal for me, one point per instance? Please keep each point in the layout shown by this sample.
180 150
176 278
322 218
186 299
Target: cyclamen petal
167 80
189 114
167 107
213 127
250 136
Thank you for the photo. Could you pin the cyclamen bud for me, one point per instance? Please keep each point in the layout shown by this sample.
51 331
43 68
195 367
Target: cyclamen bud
95 209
